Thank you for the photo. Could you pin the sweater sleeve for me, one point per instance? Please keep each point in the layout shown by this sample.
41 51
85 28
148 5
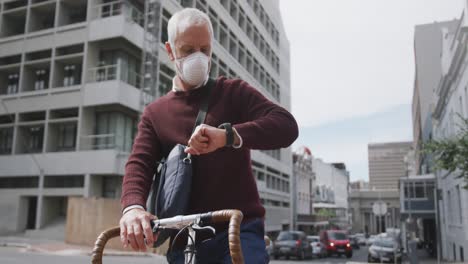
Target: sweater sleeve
141 164
264 124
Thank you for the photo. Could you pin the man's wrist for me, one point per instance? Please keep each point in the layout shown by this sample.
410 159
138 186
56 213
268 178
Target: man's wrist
131 207
229 134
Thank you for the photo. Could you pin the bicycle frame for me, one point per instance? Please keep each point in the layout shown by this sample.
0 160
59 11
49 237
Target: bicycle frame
192 223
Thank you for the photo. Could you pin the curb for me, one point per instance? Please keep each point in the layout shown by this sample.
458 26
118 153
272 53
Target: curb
127 254
14 244
74 252
83 252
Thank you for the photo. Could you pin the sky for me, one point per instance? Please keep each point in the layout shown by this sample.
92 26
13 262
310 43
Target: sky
352 72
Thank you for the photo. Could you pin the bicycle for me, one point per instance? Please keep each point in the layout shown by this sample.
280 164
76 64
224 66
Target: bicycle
192 223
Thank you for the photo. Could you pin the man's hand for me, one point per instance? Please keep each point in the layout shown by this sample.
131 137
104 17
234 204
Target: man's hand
206 139
135 227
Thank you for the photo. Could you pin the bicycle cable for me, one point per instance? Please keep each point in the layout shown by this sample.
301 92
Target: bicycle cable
177 236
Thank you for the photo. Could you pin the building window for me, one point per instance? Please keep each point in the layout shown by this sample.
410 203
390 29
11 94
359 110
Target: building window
111 8
111 186
459 205
42 80
419 190
186 3
214 66
242 19
64 181
233 10
36 138
72 75
233 46
222 68
165 79
201 4
6 140
66 137
261 176
223 36
214 23
13 80
225 4
462 254
249 29
164 21
18 182
116 129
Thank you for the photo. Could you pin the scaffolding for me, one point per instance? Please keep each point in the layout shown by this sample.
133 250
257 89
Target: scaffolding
150 53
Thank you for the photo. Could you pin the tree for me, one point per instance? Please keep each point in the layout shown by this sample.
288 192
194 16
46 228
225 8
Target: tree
326 212
451 154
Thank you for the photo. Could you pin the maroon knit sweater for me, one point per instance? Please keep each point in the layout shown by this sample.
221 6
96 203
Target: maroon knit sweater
222 179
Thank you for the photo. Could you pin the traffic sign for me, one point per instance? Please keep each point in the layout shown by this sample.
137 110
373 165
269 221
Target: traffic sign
379 208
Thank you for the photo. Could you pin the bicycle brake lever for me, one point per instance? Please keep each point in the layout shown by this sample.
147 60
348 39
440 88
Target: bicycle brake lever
196 227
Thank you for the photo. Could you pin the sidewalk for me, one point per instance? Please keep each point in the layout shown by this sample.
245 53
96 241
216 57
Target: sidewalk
61 248
423 257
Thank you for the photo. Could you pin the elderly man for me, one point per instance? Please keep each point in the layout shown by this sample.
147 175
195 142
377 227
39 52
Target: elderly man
222 166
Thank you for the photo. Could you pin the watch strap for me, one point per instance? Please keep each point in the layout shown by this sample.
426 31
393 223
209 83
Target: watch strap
229 134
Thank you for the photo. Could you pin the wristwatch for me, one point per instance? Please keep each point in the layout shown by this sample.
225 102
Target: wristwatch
229 133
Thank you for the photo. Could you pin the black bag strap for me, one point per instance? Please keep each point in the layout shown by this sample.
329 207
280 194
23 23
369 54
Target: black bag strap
204 103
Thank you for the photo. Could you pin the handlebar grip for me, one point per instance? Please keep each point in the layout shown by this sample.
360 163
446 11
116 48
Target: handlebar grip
96 255
235 219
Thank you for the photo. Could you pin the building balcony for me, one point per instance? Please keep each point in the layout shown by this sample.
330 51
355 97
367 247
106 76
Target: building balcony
118 86
38 21
117 19
103 161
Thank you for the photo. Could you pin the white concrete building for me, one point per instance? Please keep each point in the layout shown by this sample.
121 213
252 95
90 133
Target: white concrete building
451 100
427 50
331 190
303 182
70 96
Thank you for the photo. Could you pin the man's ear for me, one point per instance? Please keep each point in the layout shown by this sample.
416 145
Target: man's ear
169 51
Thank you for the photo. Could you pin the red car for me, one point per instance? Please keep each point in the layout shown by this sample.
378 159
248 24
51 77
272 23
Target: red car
336 242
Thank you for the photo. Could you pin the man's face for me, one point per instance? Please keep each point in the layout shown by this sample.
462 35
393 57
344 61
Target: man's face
189 40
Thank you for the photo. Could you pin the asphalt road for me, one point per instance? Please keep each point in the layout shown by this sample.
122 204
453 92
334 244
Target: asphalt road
359 256
16 256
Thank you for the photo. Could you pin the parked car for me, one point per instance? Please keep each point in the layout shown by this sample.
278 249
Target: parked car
318 249
292 243
384 250
337 242
353 240
371 240
361 239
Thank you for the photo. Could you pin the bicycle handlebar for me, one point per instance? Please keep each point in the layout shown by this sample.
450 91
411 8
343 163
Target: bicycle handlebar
233 216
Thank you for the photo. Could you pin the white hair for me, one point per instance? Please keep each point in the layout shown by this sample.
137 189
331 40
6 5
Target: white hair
185 18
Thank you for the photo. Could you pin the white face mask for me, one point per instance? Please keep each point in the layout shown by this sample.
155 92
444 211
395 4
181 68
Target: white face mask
194 68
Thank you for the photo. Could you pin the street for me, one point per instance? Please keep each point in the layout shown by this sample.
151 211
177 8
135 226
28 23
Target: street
359 256
9 255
